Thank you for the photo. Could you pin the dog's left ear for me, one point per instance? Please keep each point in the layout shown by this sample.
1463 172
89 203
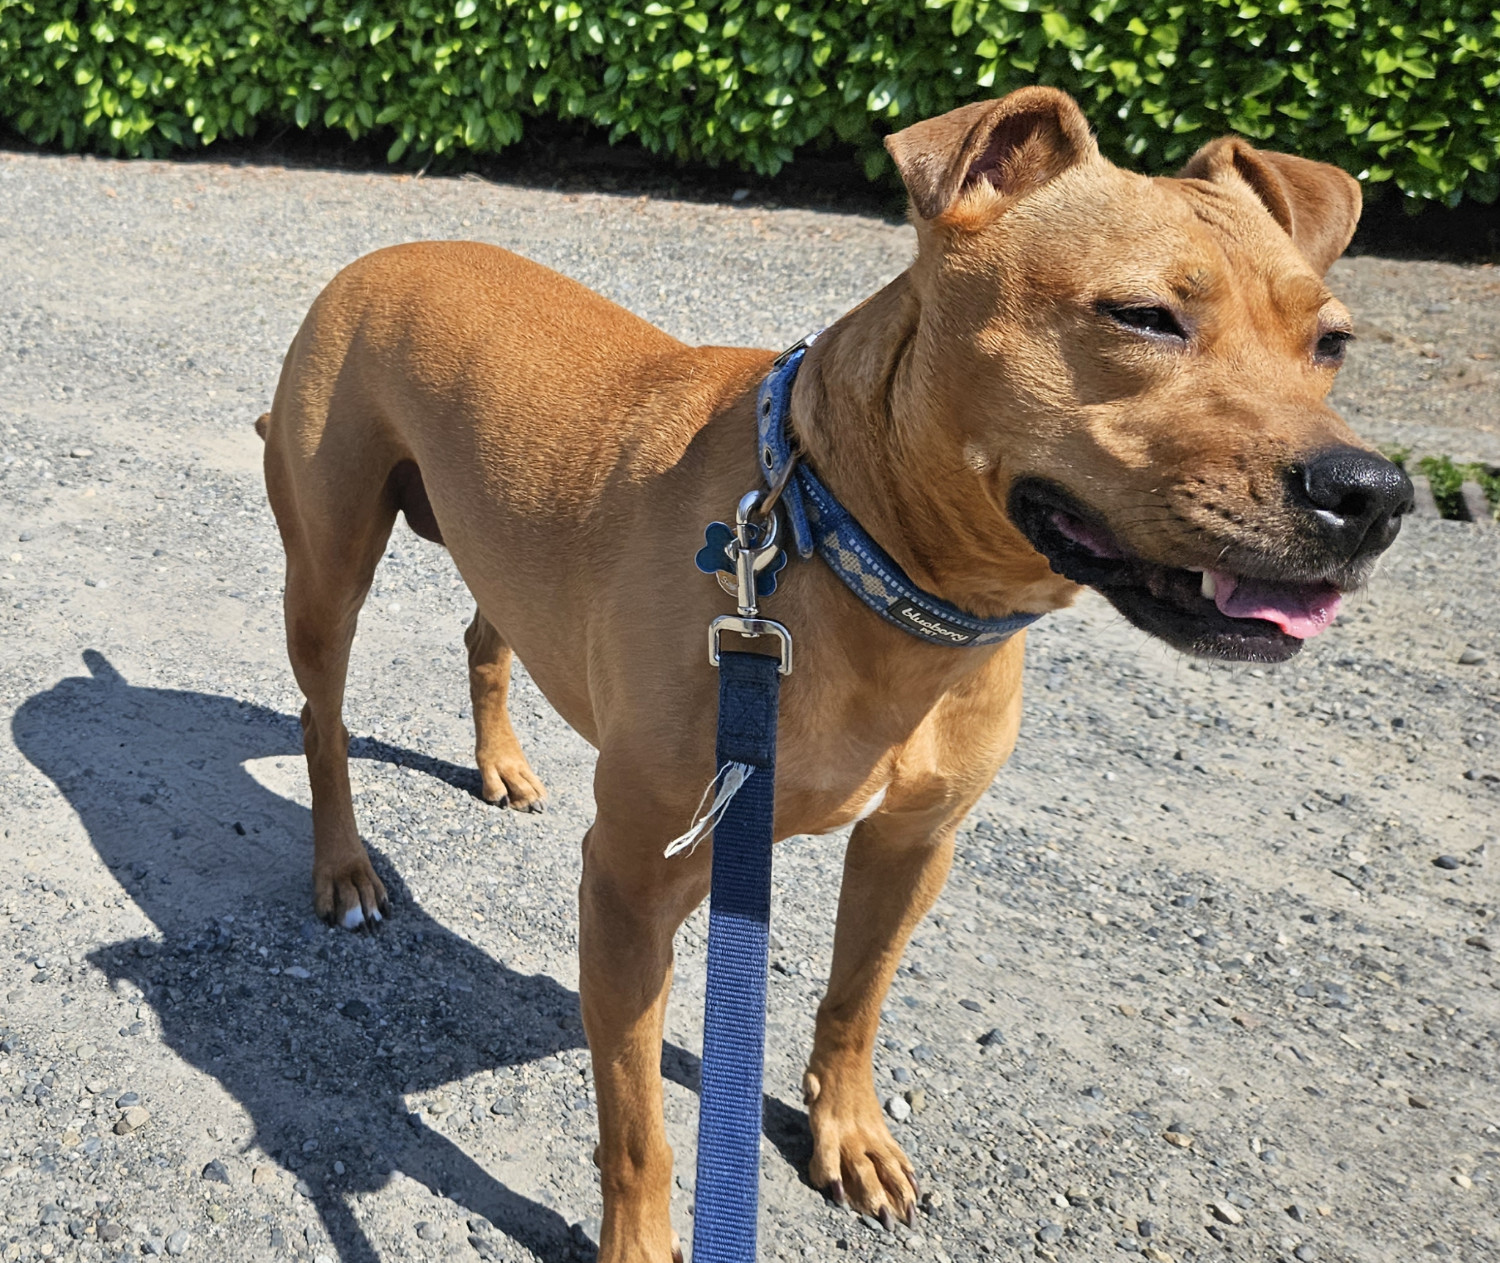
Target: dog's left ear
1014 145
1317 204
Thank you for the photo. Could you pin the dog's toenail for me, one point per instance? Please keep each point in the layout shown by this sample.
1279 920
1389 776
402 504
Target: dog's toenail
887 1221
836 1193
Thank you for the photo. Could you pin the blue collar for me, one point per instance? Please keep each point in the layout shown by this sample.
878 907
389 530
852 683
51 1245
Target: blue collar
819 523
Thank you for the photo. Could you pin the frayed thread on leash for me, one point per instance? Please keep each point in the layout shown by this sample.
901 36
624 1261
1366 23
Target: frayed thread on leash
728 782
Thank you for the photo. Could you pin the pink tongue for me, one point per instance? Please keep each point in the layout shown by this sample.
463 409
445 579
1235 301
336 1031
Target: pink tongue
1299 609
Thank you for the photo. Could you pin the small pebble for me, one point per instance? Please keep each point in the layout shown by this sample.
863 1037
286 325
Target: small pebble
179 1241
132 1120
1448 862
992 1037
1225 1213
216 1172
1306 1253
1472 657
429 1231
1049 1233
899 1108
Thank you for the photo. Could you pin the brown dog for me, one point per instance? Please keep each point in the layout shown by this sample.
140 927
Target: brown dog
1086 376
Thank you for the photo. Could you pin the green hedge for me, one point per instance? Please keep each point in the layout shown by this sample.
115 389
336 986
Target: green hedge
1393 90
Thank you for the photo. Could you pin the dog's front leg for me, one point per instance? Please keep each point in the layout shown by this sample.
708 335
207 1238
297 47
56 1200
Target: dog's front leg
892 875
631 901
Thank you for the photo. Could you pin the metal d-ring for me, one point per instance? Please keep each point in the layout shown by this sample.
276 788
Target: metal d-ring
751 629
772 495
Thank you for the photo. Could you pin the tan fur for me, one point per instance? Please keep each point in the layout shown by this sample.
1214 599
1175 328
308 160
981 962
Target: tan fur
537 428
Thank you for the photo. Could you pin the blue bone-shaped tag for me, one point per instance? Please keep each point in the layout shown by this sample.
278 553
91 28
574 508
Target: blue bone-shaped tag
714 556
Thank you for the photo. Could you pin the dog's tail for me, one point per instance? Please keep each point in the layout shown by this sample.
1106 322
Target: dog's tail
262 424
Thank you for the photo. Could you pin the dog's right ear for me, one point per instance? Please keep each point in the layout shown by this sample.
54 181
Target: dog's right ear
1014 145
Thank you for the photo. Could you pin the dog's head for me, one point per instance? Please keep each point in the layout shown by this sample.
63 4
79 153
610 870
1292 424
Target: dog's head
1136 369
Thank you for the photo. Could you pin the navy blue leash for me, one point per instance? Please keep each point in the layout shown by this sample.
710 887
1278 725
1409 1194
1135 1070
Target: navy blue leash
746 558
739 923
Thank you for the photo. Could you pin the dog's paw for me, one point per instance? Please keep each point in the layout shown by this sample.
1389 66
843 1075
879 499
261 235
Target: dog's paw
350 894
855 1160
510 781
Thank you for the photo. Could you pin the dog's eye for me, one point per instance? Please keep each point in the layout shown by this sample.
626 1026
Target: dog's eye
1331 345
1145 319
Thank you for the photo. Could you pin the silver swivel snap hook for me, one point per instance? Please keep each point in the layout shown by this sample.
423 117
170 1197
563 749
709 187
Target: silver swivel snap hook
753 554
754 549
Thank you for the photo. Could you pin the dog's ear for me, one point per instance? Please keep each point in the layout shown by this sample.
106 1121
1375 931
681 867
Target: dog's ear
1317 204
1014 144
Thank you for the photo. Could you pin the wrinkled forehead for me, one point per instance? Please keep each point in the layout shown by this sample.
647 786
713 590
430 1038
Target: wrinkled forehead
1102 232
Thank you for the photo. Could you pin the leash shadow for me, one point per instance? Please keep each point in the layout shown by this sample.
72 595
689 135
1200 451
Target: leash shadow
219 864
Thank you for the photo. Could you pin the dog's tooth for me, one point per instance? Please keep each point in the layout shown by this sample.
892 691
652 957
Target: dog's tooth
1209 586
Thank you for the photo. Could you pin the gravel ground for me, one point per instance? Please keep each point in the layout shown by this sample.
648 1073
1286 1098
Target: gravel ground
1215 976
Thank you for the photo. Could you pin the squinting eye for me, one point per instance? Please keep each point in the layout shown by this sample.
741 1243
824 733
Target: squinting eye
1145 319
1331 345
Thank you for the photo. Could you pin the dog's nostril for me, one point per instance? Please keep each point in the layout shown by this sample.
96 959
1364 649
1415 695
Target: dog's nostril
1360 496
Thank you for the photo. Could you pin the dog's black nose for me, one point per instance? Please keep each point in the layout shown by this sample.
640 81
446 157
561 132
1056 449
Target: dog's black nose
1358 497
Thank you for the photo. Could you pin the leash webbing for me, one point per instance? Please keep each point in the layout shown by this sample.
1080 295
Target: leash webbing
734 1017
742 811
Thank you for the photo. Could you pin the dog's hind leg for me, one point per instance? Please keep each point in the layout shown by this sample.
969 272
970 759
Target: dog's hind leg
504 774
892 876
335 512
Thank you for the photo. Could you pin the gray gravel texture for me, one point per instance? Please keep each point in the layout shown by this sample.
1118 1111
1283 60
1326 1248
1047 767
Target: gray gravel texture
1215 976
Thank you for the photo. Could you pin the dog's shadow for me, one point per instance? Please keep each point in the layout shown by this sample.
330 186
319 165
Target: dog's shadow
213 858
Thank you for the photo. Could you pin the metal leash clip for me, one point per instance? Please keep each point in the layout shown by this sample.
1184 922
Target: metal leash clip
747 561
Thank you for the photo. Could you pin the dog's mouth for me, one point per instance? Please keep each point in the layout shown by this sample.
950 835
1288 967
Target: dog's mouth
1200 609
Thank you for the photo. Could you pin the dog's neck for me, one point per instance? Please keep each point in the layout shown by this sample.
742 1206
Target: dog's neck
862 415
